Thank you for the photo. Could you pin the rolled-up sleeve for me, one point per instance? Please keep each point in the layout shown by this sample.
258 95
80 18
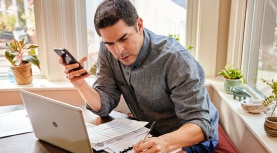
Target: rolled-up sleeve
188 93
105 84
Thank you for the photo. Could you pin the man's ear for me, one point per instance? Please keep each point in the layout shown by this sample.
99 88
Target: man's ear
140 25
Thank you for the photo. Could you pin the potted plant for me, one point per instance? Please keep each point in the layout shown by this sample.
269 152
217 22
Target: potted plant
232 77
270 124
21 55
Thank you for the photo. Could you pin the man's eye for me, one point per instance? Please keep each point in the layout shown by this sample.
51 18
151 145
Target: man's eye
109 44
123 39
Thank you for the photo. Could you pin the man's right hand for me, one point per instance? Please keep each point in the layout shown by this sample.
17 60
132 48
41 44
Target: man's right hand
75 77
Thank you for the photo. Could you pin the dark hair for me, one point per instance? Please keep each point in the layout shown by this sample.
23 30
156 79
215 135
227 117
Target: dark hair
109 12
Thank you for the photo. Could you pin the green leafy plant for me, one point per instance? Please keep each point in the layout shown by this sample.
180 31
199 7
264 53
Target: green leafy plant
273 97
229 72
175 36
189 47
19 53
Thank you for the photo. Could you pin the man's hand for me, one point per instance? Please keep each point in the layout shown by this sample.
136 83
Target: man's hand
74 76
151 145
187 135
154 145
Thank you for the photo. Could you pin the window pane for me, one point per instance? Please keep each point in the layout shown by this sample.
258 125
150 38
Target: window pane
16 21
166 18
93 38
267 68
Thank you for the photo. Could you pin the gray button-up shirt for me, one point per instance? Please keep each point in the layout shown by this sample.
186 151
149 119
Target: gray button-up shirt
165 84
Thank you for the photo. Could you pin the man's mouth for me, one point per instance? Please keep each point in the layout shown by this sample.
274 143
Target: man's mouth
124 58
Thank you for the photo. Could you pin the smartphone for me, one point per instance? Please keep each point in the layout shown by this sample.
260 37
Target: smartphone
68 58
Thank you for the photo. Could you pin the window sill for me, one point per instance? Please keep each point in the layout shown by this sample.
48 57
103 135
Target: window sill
246 130
38 83
59 90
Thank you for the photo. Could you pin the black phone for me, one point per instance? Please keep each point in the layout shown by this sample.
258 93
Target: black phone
68 58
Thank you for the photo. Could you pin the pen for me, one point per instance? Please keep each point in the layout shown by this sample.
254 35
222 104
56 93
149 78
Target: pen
151 127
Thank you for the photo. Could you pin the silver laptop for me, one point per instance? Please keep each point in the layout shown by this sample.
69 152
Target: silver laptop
57 123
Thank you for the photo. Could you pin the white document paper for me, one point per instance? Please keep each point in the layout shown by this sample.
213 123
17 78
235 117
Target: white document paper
16 122
126 145
107 134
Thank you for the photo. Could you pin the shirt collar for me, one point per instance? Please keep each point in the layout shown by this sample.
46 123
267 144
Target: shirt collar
143 51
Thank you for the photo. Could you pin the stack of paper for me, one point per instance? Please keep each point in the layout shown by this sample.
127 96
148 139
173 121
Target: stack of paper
117 135
126 145
15 122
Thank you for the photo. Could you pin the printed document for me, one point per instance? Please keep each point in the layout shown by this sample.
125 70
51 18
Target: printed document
110 134
15 122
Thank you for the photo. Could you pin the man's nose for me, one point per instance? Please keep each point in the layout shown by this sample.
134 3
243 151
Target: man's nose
119 48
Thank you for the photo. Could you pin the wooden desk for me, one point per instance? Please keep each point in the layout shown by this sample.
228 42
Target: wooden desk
28 143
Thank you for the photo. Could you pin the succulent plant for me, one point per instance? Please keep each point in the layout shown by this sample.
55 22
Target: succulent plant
229 72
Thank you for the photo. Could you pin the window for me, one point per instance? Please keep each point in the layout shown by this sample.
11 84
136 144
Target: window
167 18
65 23
93 38
261 42
17 21
267 65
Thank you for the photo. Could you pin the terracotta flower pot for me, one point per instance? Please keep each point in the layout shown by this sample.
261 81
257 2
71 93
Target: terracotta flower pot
23 74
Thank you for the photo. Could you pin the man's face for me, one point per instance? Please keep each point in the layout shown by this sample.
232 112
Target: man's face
123 41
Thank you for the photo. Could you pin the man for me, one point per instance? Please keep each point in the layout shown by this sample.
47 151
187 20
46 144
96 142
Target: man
158 78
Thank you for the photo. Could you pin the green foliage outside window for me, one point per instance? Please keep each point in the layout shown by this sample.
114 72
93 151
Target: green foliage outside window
175 36
7 22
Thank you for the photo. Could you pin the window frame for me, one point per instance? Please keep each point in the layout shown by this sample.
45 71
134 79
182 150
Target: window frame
253 26
252 41
236 32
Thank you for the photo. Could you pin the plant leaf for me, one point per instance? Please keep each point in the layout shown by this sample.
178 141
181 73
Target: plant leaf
32 46
32 52
273 97
9 56
229 72
33 59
